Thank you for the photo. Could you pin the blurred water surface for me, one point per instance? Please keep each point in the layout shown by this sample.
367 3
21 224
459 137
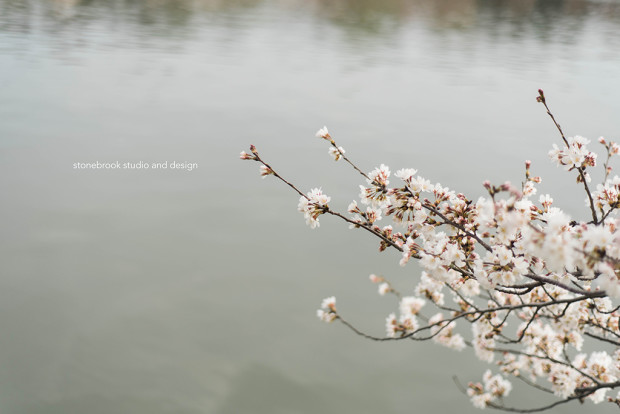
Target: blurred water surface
175 291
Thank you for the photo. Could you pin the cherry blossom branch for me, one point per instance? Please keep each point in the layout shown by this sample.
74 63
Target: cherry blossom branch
581 394
344 157
541 98
605 215
555 278
533 384
526 288
426 205
603 328
600 338
365 335
538 409
547 358
365 227
596 294
476 314
270 171
529 322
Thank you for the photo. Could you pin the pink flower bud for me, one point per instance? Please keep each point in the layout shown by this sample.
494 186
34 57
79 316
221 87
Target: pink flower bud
323 133
265 171
375 279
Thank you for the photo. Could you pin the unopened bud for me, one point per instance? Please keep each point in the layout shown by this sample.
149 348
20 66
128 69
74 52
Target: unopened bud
265 171
376 279
253 149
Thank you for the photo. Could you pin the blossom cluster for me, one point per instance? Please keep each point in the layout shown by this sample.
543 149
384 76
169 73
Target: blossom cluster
575 155
313 205
531 282
327 313
494 387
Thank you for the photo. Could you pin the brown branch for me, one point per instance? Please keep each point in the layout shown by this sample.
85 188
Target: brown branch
580 394
344 157
520 338
546 358
535 410
533 384
597 294
365 335
600 338
367 228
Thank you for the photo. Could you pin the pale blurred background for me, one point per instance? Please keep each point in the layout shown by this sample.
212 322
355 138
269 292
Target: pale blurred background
195 291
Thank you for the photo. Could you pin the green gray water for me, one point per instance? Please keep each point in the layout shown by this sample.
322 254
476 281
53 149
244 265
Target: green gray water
178 291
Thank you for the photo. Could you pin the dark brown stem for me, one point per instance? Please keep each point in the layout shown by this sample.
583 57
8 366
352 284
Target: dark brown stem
600 338
597 294
344 157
